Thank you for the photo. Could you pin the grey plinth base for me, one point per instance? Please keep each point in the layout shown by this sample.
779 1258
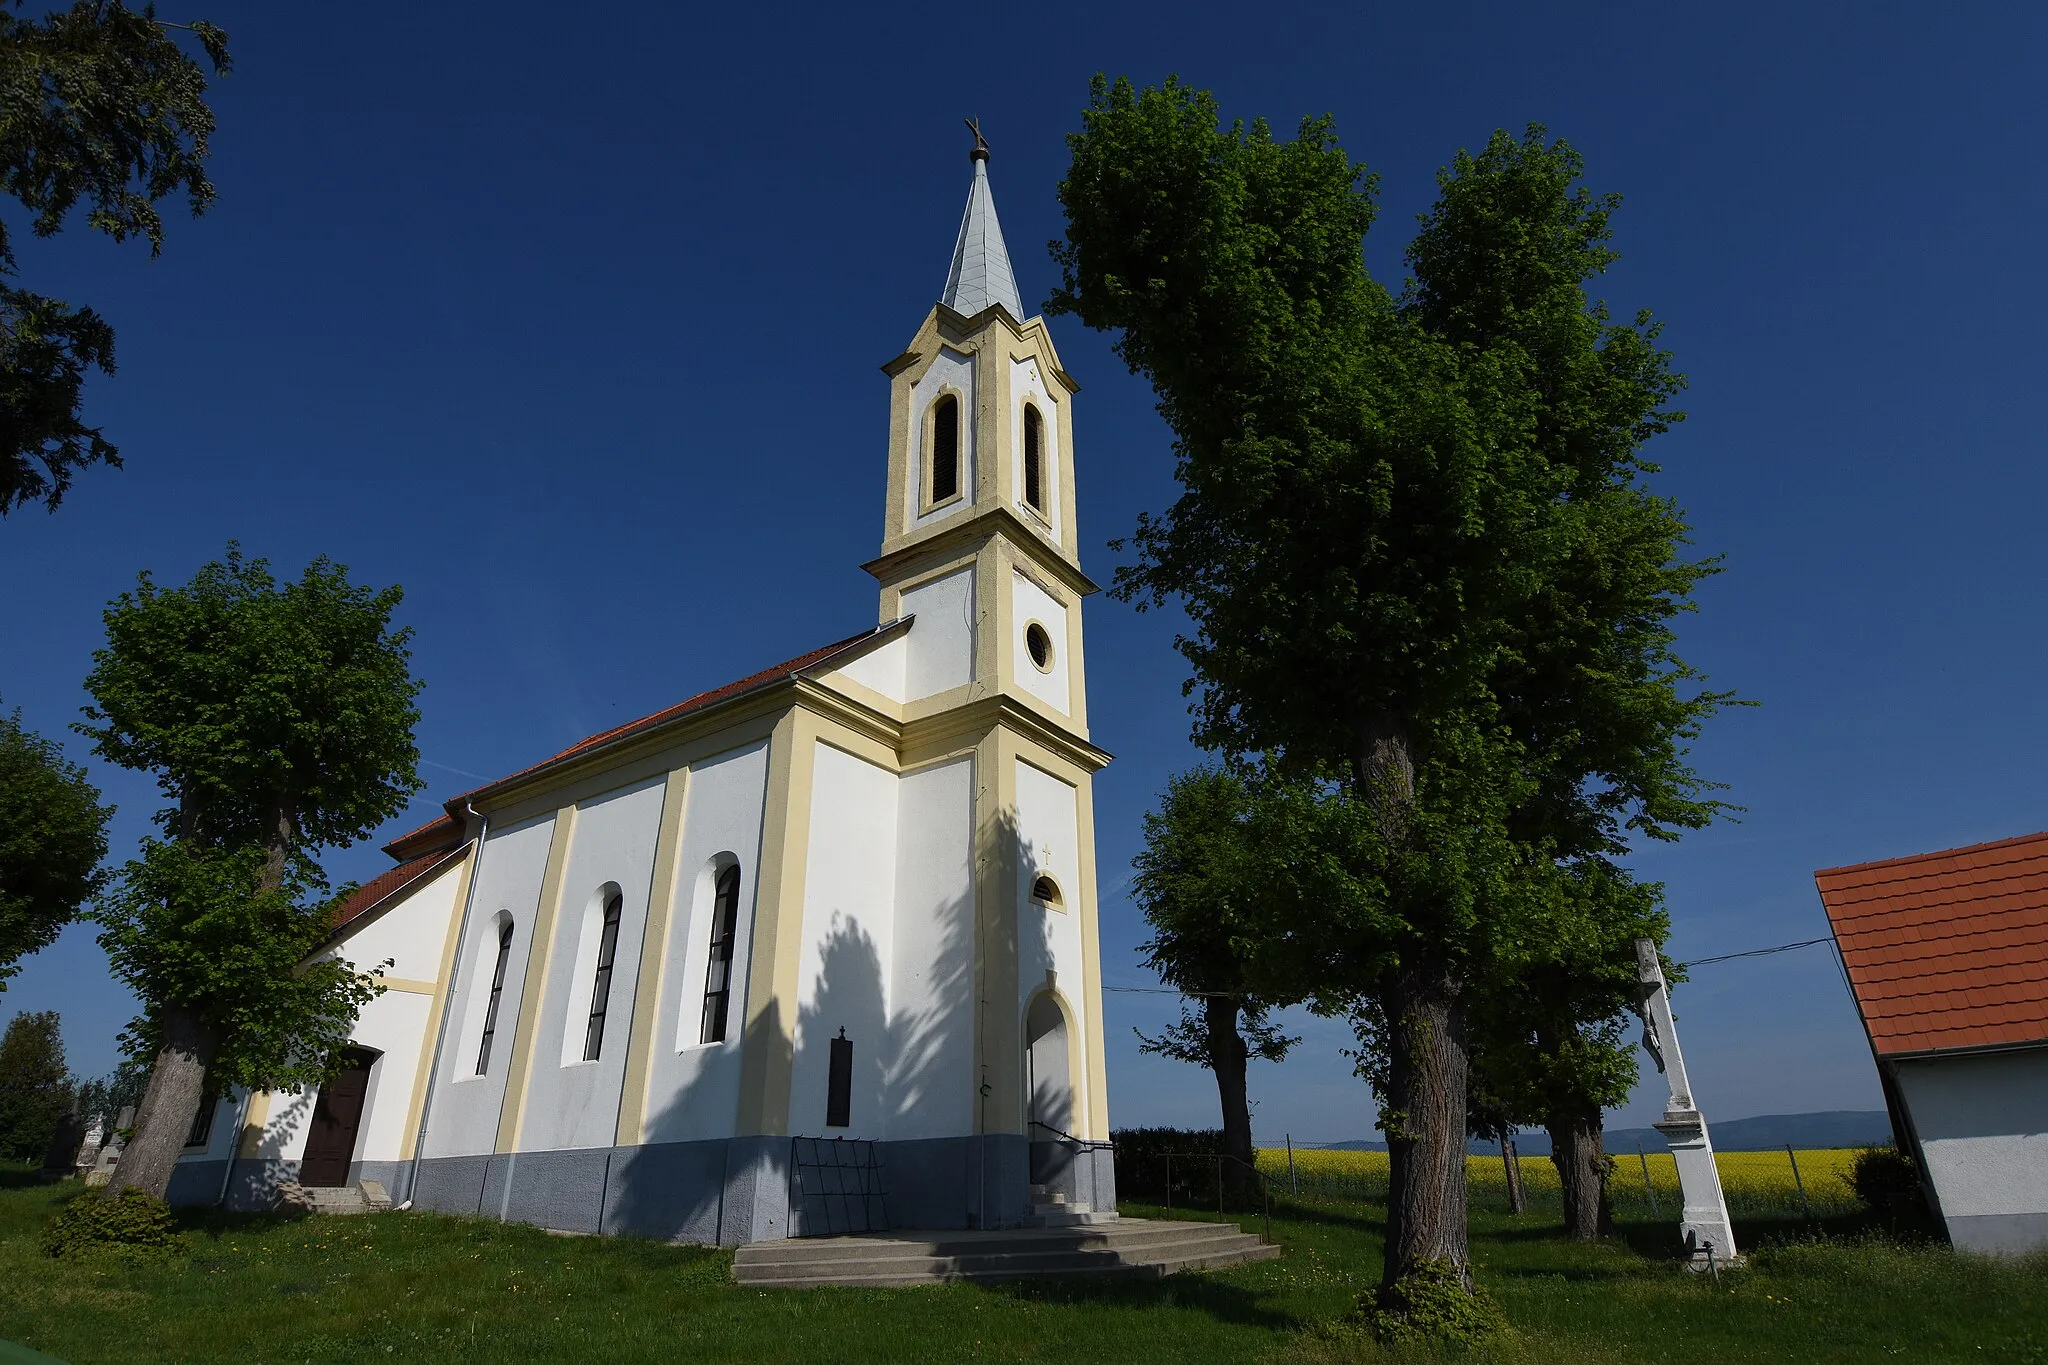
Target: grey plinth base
1708 1236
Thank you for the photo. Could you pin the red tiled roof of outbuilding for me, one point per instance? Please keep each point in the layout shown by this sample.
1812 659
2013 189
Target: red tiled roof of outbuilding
1946 950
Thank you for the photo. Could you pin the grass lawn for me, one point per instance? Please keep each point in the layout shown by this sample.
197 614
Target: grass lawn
418 1285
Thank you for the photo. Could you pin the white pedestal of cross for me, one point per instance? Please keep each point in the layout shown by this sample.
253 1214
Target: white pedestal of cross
1709 1238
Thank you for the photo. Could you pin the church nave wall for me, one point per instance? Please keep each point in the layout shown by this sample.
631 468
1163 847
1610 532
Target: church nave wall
466 1105
692 1087
571 1100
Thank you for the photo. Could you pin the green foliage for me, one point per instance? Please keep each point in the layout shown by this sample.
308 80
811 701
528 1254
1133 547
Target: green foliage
196 926
1885 1179
131 1220
255 701
1201 855
53 834
35 1085
1431 1302
104 1097
98 104
278 718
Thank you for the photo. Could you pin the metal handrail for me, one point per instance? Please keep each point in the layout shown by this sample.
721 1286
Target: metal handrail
1265 1186
1091 1144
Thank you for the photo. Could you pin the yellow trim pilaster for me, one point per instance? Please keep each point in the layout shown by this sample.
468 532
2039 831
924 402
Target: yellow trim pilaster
249 1143
423 1067
512 1113
653 952
1097 1117
1001 1042
767 1048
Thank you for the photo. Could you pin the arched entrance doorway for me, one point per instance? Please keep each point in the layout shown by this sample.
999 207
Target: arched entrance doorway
1049 1084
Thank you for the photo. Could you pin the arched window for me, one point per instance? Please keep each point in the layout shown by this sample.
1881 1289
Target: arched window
483 1052
1044 888
945 448
601 988
1034 459
725 918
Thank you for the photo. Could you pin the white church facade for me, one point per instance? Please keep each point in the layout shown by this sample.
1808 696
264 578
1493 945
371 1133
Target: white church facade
813 950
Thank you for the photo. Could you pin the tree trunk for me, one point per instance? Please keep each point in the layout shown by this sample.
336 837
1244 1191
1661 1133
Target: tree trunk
1582 1168
1509 1159
177 1082
1229 1058
1425 1112
1426 1134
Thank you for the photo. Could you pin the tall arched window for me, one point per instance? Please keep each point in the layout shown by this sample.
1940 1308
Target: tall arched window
483 1052
601 988
945 448
1034 458
725 919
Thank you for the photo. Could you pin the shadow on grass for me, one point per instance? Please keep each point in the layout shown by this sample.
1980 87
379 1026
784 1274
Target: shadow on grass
1202 1292
16 1176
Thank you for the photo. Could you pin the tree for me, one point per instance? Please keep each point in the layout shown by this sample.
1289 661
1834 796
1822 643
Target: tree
278 718
53 835
1413 543
35 1085
1200 854
1548 1030
98 103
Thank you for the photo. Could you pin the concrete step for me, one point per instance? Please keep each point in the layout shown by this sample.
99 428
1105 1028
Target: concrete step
1128 1235
1131 1249
893 1276
368 1197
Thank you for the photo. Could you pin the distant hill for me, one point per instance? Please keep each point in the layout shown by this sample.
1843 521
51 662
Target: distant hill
1766 1132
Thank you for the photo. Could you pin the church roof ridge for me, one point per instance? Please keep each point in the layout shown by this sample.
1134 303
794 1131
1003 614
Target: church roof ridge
753 682
981 275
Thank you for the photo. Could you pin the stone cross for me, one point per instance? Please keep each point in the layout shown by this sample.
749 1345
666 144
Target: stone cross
1705 1223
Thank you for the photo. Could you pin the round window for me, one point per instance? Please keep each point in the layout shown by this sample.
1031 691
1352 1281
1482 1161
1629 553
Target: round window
1040 644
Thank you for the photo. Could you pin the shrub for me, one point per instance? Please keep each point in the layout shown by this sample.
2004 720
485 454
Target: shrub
1430 1302
1141 1163
134 1220
1884 1178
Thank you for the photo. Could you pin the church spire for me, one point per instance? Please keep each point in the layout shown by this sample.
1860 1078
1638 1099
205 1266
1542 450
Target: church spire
981 273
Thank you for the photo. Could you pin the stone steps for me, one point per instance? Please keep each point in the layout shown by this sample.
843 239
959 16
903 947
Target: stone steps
1129 1249
366 1197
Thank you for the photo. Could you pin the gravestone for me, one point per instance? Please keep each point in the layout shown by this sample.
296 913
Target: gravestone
1709 1238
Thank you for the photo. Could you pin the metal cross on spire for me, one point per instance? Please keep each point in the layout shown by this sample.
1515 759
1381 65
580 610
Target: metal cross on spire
980 152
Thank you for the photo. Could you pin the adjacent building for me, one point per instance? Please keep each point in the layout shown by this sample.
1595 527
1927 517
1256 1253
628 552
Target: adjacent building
1947 955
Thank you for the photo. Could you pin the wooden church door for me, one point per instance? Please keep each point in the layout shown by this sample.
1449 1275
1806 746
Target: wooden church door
337 1113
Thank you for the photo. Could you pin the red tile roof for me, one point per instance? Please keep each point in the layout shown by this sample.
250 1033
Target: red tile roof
779 673
386 885
443 832
1946 950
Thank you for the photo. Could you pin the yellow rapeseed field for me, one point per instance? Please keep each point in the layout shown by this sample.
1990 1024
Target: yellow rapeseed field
1746 1177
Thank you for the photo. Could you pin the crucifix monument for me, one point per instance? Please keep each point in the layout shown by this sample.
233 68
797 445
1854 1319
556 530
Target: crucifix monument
1709 1238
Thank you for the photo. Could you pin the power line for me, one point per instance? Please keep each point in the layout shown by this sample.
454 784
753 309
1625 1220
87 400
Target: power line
1696 962
1760 952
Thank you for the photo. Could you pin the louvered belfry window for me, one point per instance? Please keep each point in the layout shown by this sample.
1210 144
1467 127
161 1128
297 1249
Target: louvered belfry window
1034 459
601 989
725 918
483 1052
945 448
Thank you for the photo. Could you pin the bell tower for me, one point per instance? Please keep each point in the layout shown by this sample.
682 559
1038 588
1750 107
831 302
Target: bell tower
979 528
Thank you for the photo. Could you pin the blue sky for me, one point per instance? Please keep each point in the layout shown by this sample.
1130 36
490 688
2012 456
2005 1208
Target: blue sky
571 327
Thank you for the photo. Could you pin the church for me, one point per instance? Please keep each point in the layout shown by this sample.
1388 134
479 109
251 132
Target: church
811 952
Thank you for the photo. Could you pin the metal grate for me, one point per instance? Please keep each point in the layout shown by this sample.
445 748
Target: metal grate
837 1187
